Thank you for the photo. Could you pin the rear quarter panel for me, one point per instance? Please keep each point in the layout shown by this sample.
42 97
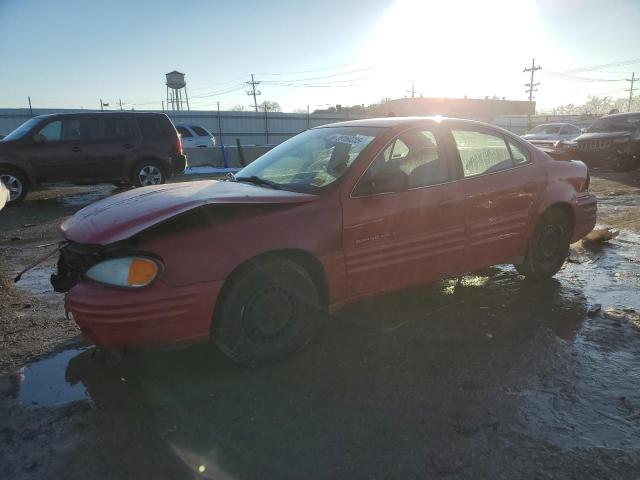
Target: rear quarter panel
567 184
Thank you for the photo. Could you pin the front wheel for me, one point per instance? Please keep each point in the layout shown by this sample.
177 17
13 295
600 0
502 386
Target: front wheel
148 173
548 246
16 183
266 313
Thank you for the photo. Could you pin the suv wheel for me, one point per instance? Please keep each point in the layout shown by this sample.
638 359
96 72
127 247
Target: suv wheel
266 313
16 184
148 173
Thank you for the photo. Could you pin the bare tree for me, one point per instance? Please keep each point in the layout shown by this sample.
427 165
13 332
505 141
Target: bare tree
238 108
270 106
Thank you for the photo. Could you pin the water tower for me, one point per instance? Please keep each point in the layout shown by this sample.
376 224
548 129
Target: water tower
176 91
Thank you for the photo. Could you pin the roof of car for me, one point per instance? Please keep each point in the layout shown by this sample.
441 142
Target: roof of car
388 122
621 115
556 124
115 112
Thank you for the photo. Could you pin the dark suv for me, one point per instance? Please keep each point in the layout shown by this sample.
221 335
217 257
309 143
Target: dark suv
612 141
123 148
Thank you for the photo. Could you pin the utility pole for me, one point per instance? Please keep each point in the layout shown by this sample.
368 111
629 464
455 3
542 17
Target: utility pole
101 107
631 89
413 89
531 87
253 91
120 102
31 109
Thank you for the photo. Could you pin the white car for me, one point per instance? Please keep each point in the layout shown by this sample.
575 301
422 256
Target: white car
195 136
4 195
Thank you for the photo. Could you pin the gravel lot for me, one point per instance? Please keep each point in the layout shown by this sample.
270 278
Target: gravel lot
483 376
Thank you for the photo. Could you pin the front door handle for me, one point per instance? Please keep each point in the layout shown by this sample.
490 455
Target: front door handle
75 149
127 146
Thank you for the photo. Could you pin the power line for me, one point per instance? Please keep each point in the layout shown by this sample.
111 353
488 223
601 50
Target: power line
606 65
575 78
308 71
631 89
318 78
253 91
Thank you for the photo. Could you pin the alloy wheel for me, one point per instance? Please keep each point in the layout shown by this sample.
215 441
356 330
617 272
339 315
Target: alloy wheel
150 175
13 184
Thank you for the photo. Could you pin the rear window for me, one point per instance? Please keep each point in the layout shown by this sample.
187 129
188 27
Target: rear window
153 128
201 132
622 123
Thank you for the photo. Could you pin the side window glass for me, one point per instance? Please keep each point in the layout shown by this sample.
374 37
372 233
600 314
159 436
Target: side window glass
116 129
71 130
481 153
184 133
412 160
520 154
201 132
52 132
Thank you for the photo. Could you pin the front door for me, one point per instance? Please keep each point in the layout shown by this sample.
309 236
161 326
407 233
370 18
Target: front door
501 187
403 222
58 153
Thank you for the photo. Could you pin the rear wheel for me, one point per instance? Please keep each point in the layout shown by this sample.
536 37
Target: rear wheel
148 172
266 313
16 183
548 246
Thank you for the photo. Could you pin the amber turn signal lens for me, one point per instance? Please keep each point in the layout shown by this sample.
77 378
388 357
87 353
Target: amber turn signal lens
141 272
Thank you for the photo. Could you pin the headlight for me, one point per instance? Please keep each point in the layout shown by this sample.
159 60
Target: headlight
132 272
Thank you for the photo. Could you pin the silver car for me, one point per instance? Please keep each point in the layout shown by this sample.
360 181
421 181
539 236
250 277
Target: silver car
549 134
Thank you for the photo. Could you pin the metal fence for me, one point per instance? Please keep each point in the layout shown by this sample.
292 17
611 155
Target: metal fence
260 128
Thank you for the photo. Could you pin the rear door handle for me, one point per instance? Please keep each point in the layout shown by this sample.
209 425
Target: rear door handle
530 187
446 203
75 149
127 146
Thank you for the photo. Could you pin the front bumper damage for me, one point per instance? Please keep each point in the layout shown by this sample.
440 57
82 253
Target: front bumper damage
156 316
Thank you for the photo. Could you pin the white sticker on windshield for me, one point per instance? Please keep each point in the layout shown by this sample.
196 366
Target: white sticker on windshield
349 139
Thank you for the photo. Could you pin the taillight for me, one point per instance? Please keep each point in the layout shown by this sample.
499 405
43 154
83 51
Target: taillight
178 145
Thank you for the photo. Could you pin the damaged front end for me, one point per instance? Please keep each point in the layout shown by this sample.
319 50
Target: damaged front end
77 259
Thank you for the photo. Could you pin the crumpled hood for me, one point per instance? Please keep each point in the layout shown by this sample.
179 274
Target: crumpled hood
121 216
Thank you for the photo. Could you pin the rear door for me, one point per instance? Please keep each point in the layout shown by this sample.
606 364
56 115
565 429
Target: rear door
501 185
403 222
109 142
61 153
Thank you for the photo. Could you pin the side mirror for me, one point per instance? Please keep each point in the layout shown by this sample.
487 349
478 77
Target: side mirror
386 181
583 130
39 139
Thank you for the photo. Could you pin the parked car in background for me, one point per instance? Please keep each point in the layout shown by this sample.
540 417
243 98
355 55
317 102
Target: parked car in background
4 195
612 141
124 148
195 136
552 137
332 215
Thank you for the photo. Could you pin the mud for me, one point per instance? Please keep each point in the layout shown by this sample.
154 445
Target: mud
483 376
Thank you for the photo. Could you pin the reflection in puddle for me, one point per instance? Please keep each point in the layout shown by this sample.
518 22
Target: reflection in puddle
44 382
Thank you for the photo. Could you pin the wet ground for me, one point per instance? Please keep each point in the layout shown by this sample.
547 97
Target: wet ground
483 376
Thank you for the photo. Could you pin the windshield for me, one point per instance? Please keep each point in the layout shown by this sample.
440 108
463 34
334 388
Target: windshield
626 123
310 160
20 132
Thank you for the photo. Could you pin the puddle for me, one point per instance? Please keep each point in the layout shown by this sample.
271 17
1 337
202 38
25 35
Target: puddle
37 281
44 382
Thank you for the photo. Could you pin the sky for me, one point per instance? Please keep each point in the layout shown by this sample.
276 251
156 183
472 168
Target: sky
72 53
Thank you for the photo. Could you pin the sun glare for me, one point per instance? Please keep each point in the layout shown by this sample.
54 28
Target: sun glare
441 44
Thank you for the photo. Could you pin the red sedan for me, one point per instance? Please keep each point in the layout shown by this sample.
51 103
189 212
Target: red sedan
335 214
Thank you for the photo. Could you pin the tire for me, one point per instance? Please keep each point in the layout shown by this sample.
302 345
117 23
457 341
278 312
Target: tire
148 172
17 184
548 246
266 313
